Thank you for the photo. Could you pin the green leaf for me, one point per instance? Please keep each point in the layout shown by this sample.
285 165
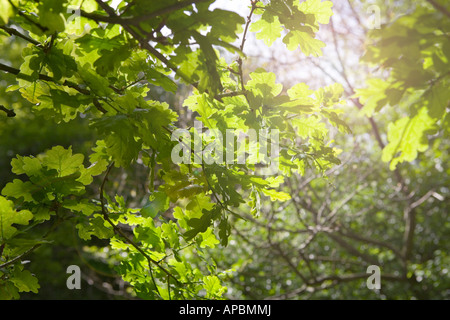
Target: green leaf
225 24
264 84
438 98
6 11
31 66
300 91
96 226
63 105
95 169
263 89
321 10
8 291
213 287
18 189
309 45
157 78
119 134
98 85
60 64
208 239
310 127
9 217
224 231
201 224
84 206
210 81
41 213
54 21
170 232
149 235
178 186
204 107
110 60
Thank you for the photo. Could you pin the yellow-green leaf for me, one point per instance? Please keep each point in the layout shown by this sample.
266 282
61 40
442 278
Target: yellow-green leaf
309 45
407 137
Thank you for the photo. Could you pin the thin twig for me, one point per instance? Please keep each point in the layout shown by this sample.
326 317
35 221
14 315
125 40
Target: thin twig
16 33
150 260
439 7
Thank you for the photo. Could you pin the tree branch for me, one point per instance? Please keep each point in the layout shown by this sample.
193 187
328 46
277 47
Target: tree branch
439 7
37 245
42 28
115 19
144 44
350 234
43 77
9 113
166 10
14 32
344 244
20 256
276 247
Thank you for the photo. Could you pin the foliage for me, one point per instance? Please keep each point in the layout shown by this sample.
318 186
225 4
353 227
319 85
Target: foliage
95 82
97 72
415 50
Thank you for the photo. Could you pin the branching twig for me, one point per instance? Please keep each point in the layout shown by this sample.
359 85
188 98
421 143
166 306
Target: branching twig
244 38
42 28
37 245
117 230
439 7
16 33
20 256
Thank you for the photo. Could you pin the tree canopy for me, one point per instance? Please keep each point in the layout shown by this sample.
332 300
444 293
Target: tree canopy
98 99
